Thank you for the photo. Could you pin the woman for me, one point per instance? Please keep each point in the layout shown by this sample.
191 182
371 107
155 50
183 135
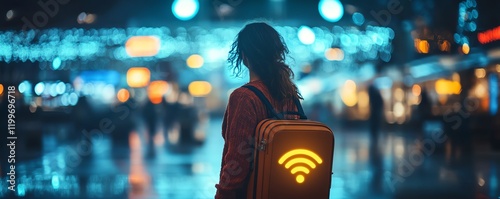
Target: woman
262 50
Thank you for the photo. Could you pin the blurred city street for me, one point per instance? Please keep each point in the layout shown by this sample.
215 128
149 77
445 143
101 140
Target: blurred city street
126 99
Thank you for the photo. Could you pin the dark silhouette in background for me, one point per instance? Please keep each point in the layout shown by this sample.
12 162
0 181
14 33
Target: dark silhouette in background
83 114
376 114
376 108
151 115
424 108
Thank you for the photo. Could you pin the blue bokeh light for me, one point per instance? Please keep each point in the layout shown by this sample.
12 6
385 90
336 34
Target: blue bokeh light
56 63
331 10
185 9
21 190
358 18
60 88
64 99
493 79
52 89
457 37
39 88
472 26
73 99
24 87
55 181
474 14
306 35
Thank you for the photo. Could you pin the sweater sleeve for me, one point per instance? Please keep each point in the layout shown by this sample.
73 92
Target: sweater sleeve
238 130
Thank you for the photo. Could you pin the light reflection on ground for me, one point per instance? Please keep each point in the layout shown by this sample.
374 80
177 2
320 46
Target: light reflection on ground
130 171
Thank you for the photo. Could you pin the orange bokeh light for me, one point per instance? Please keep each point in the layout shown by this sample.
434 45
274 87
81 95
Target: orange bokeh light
422 46
156 90
199 88
465 49
447 87
445 46
123 95
416 90
142 46
138 77
195 61
334 54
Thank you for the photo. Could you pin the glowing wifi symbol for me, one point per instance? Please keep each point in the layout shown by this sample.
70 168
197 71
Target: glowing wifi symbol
300 160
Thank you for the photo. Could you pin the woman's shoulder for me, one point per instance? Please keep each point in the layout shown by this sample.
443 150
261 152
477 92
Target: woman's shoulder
240 93
243 94
246 91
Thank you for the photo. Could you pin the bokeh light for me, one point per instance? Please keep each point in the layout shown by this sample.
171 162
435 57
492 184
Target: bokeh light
21 190
52 88
334 54
416 90
9 14
1 89
358 18
447 87
399 94
81 17
56 63
156 91
445 46
195 61
185 9
64 99
39 88
465 48
399 109
24 87
72 99
480 72
306 35
60 88
142 46
199 88
123 95
348 93
213 44
422 46
331 10
480 90
489 35
138 77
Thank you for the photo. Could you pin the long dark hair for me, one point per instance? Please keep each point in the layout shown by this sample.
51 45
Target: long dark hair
264 51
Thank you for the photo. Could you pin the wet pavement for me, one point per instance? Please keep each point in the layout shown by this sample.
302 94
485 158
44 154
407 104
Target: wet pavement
397 163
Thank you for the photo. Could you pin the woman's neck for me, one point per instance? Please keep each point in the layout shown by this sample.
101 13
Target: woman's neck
253 77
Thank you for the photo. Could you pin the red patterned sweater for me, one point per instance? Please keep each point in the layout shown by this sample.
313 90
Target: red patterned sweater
244 111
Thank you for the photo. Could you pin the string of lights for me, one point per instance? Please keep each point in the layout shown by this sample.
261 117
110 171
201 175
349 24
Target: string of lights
305 43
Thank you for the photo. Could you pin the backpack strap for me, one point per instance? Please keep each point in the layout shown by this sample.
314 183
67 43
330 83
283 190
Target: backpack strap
266 102
299 108
270 108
